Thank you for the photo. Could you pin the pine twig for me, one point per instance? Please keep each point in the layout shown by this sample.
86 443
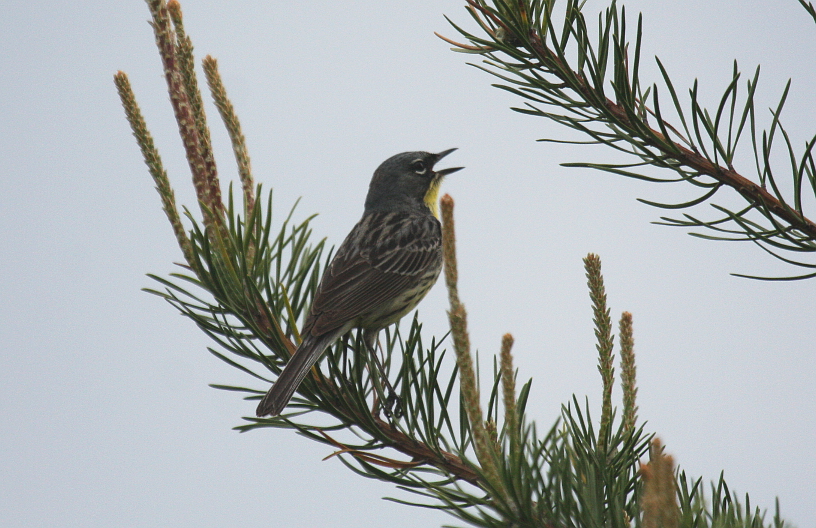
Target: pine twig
508 378
154 163
628 371
233 124
461 342
603 333
659 502
204 178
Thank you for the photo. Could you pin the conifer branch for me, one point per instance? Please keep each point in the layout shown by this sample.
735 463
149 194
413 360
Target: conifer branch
593 86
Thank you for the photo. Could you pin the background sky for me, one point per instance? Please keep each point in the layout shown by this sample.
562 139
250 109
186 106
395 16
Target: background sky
107 416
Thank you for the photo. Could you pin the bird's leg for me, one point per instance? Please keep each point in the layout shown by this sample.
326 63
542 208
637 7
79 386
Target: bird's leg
392 401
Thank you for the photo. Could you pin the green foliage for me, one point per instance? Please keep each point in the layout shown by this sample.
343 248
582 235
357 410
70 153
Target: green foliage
591 84
254 301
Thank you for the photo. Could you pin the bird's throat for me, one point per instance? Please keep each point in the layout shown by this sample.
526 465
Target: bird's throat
432 196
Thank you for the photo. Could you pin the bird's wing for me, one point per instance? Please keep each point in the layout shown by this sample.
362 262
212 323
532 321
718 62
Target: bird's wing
385 254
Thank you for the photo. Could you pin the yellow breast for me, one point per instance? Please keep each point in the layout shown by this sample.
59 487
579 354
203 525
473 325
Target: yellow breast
432 196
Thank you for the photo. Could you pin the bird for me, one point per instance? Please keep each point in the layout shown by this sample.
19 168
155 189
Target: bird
382 270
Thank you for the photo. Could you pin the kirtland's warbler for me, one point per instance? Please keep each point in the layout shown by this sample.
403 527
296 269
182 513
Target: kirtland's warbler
381 271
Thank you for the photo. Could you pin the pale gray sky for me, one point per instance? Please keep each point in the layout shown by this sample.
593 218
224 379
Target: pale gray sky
108 420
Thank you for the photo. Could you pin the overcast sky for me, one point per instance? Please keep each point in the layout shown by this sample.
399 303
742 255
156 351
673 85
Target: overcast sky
107 416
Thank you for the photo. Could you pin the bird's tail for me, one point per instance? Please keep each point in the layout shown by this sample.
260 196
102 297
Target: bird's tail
289 380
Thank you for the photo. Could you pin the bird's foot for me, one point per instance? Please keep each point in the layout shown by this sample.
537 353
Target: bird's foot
393 406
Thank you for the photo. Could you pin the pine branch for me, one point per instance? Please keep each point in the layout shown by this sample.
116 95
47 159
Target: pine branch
618 114
565 78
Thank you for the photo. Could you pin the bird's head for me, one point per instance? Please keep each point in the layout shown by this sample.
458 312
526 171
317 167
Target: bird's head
408 180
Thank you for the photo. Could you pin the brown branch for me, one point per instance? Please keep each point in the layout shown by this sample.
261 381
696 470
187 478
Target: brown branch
418 451
369 458
751 191
745 187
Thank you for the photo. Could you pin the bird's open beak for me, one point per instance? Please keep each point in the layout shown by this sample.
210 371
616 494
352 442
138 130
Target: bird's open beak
445 172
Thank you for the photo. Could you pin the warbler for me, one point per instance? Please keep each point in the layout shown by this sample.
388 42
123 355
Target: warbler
382 270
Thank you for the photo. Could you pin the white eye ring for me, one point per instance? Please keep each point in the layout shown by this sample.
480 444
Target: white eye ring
419 167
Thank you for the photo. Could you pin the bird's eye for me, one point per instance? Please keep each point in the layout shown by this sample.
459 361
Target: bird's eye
418 166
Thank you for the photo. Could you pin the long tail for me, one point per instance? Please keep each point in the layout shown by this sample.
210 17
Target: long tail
289 380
